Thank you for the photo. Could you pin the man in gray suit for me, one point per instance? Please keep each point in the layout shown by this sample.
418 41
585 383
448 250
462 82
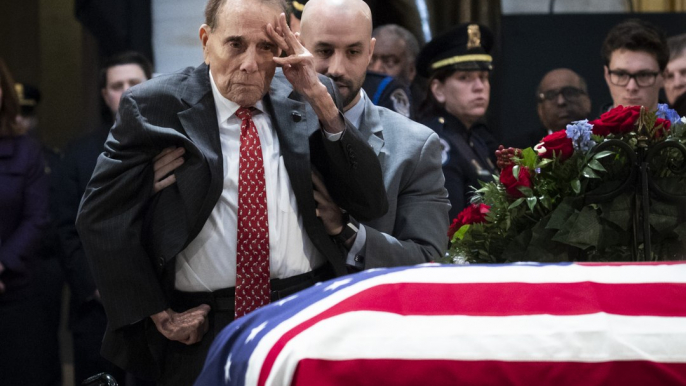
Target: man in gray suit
166 264
415 228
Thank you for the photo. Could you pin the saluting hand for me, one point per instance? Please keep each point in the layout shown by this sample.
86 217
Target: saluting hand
298 66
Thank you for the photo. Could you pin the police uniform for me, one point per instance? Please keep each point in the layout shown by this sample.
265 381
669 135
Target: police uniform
468 153
386 91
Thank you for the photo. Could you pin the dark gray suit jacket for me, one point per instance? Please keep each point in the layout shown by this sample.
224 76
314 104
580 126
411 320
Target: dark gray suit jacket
414 230
131 237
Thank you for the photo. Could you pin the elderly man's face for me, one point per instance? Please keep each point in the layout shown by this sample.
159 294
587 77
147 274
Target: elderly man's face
561 100
239 51
675 78
637 67
340 52
390 57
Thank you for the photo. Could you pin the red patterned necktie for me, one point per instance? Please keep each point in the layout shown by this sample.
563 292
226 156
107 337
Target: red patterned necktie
252 249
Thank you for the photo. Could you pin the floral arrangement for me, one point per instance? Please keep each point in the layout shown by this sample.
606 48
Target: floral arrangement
577 195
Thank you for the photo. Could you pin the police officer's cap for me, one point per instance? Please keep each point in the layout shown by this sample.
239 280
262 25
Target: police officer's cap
29 96
297 7
466 47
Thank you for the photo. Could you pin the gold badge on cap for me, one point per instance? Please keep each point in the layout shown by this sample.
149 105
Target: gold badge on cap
474 36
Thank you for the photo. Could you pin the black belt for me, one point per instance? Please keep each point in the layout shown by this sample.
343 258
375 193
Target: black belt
224 299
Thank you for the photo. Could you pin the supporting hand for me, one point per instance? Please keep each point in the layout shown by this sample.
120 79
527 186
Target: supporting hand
186 327
164 164
327 210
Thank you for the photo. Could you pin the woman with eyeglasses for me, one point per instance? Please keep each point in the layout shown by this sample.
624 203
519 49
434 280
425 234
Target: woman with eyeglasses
458 66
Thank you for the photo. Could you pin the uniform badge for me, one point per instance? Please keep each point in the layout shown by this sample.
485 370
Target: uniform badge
401 102
445 151
474 36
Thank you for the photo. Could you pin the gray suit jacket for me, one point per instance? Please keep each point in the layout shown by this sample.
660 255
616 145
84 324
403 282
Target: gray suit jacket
131 237
414 230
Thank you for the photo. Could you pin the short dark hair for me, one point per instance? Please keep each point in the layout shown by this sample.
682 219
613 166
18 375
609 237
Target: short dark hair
410 40
637 35
128 57
677 46
213 6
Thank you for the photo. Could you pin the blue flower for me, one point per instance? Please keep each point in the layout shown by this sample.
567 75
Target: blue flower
664 112
580 134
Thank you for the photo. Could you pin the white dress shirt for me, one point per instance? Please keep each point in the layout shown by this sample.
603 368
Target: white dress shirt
208 263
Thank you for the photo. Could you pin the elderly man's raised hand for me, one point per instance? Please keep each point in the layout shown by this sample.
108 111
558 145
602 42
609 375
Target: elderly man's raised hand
298 66
299 69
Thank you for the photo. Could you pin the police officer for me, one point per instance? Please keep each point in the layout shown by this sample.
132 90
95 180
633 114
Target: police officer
458 66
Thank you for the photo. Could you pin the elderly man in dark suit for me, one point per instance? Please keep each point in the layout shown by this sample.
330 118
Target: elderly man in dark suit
175 267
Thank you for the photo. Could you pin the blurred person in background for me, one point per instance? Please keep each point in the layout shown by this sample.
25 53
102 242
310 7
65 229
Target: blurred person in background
392 70
675 73
24 208
87 319
562 98
458 65
48 278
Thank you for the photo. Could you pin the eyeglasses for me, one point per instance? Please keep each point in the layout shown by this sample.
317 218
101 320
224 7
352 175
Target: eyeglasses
643 78
570 94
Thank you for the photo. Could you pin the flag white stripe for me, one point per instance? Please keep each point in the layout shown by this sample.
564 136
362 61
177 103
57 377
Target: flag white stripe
436 273
589 338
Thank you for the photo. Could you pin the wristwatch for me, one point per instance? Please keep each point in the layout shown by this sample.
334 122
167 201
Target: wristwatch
349 229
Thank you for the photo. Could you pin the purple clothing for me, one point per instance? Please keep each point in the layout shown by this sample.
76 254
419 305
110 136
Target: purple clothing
23 207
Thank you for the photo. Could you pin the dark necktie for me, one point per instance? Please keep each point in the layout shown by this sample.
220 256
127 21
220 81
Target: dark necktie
252 249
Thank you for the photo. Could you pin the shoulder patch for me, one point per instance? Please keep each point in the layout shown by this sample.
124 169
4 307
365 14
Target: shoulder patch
401 102
445 151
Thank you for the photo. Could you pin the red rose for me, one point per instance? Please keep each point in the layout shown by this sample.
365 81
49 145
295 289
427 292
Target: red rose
470 215
511 183
666 124
616 121
557 143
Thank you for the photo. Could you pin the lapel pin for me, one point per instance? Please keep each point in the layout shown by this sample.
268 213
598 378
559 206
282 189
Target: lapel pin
296 116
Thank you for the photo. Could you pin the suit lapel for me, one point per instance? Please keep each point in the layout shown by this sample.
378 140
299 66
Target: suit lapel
199 122
371 130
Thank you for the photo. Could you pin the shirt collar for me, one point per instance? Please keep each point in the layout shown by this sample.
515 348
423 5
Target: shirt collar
225 107
354 115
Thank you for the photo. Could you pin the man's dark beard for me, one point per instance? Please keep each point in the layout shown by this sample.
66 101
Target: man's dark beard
353 93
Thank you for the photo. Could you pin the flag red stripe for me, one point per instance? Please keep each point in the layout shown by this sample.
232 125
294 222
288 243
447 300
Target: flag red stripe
501 299
374 372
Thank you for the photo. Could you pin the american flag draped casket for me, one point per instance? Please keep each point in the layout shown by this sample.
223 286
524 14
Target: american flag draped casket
518 324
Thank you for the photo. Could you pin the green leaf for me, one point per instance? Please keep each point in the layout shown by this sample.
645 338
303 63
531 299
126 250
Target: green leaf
515 172
589 173
527 191
576 186
529 158
544 162
561 214
531 201
603 154
516 203
461 232
595 165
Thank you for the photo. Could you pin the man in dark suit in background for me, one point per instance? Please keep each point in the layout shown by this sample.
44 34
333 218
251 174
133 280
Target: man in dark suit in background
87 320
171 267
